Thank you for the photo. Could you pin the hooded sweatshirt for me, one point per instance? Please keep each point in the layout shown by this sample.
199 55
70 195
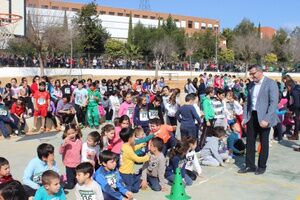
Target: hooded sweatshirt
211 148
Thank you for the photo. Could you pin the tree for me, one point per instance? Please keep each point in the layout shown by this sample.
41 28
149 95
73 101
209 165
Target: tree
279 43
228 34
245 27
191 46
163 50
206 43
130 31
92 35
20 46
226 56
270 59
132 52
293 45
114 48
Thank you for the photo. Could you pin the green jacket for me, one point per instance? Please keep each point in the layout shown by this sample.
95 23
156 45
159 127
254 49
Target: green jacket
208 110
92 101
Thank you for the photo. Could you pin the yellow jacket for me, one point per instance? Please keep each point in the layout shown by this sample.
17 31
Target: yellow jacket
128 158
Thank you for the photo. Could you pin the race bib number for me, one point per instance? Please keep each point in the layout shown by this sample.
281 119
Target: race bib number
153 114
67 91
87 194
79 99
189 163
3 112
37 178
130 112
41 101
152 166
111 180
143 115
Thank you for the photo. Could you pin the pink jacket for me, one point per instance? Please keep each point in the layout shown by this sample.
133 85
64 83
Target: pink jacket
117 141
71 153
127 109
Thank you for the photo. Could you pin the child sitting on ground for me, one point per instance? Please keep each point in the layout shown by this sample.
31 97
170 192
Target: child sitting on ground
140 138
192 166
109 178
165 132
5 175
86 187
17 112
37 166
177 157
51 188
70 150
210 153
5 118
153 170
128 158
235 144
90 149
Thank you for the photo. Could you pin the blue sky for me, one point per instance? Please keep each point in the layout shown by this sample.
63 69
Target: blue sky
274 13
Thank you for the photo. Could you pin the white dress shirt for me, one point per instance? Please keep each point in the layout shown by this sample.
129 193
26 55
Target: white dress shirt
255 93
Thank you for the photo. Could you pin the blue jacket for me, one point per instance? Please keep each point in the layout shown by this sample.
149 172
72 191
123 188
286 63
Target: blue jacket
34 170
109 182
187 115
232 138
141 116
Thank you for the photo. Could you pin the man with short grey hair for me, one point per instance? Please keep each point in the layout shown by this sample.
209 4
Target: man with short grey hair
259 116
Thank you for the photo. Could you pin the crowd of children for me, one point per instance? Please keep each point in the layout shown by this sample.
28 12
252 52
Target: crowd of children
139 129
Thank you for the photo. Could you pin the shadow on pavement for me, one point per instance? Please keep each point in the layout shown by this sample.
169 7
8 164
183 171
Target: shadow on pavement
42 136
289 144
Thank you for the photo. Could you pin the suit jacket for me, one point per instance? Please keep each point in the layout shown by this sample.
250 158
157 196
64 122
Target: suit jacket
266 103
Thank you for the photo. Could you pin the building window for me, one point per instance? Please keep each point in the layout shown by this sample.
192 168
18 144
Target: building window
190 24
127 15
145 16
75 9
216 28
55 7
65 8
152 17
120 14
111 13
203 27
102 12
197 25
183 24
44 6
137 16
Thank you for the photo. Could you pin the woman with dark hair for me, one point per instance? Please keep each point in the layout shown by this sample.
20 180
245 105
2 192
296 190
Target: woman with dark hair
25 92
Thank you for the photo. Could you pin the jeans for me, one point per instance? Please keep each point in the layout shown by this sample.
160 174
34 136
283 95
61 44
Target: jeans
16 122
6 120
132 182
154 183
71 178
170 144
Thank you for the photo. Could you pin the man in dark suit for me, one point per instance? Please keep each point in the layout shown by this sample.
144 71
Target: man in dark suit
259 116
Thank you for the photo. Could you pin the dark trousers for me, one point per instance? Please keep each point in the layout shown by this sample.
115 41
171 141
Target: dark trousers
239 145
80 114
67 118
20 126
278 131
189 131
254 129
52 117
297 122
170 144
132 182
30 192
71 178
173 121
29 104
109 114
206 132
